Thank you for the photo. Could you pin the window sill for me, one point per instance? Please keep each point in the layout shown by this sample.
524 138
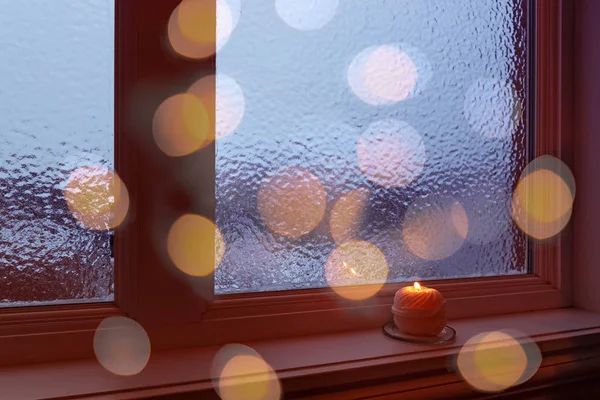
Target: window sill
319 365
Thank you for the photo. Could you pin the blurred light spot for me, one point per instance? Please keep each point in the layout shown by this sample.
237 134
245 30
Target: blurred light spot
195 23
390 73
496 361
356 270
488 215
459 219
97 197
383 75
181 125
306 15
292 202
230 104
239 372
538 229
195 245
121 346
544 196
391 153
492 108
435 228
543 199
346 215
235 9
192 31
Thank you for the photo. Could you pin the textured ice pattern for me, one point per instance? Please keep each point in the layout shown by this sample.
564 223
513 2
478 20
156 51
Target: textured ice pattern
56 114
301 110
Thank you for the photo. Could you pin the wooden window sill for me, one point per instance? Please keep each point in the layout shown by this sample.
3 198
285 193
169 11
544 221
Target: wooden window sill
353 364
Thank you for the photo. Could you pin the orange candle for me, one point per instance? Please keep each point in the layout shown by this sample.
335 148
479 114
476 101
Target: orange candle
419 310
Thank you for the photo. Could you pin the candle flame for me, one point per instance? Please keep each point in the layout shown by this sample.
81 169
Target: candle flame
353 271
417 286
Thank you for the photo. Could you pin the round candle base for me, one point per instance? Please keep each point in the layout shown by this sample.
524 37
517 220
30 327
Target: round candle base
420 322
447 335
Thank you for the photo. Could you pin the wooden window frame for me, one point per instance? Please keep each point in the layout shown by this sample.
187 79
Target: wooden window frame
170 305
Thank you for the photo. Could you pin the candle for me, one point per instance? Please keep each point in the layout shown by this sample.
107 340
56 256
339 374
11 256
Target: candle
419 310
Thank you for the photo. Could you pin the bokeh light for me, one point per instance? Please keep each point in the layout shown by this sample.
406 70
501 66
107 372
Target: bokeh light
383 75
538 229
97 197
391 153
121 346
306 15
239 372
235 9
390 73
544 196
496 361
230 104
195 245
356 270
193 30
292 202
181 125
434 228
543 199
347 214
492 108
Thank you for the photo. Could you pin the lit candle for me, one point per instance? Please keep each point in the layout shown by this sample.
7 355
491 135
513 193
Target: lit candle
419 310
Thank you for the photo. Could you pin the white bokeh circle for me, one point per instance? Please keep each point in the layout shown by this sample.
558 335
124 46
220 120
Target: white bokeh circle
387 74
306 15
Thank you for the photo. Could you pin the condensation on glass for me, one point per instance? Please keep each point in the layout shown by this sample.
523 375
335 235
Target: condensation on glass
397 123
56 114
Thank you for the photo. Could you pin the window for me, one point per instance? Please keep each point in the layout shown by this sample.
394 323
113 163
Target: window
201 308
56 99
401 125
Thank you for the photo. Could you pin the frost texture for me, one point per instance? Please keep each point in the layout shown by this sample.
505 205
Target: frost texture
300 110
56 114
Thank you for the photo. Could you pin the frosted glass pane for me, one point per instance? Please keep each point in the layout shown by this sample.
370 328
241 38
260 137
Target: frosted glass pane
397 123
56 114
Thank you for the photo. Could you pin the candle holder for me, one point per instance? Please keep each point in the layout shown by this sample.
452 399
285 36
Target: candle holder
447 335
419 316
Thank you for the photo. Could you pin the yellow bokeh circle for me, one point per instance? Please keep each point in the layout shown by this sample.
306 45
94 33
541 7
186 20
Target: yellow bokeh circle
544 196
97 197
292 202
196 20
181 125
239 372
542 202
356 270
195 245
347 214
496 361
199 28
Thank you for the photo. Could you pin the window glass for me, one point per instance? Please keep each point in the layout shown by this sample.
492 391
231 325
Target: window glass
56 151
350 130
369 141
